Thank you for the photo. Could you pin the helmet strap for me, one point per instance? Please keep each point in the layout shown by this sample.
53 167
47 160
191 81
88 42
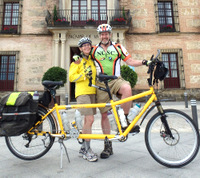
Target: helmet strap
84 56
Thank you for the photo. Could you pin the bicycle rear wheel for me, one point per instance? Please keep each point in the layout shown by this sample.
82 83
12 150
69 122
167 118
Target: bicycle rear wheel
177 151
38 146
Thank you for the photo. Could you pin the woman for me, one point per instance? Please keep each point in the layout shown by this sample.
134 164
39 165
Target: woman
80 72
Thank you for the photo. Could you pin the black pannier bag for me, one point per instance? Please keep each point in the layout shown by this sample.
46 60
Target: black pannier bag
17 113
45 98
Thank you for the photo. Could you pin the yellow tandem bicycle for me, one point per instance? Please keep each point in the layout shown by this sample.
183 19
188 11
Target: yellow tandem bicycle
171 137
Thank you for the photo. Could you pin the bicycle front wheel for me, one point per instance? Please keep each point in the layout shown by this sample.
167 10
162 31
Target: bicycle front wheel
178 150
30 147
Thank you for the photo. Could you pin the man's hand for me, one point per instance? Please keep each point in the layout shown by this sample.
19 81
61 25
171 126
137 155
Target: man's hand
145 62
76 59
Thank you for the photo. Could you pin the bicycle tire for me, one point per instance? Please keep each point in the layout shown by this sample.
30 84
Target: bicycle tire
38 146
177 152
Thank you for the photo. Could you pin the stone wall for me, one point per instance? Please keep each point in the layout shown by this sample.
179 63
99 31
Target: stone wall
142 40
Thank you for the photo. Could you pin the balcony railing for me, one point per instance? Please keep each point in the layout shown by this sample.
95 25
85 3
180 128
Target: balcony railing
68 18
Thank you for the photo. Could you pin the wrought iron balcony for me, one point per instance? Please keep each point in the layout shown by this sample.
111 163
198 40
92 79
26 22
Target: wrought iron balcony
68 18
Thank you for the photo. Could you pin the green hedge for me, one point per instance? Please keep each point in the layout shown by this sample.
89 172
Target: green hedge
129 75
55 74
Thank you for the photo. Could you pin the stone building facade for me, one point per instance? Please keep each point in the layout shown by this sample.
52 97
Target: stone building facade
40 44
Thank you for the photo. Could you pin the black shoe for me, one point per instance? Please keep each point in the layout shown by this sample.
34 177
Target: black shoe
135 129
107 149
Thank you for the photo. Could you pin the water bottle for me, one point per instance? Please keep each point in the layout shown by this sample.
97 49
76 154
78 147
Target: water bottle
65 121
122 118
78 120
134 112
36 96
112 121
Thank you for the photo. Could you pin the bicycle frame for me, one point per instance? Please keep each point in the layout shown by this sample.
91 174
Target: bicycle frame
113 104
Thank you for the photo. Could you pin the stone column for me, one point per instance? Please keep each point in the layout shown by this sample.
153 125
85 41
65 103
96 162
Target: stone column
56 48
63 41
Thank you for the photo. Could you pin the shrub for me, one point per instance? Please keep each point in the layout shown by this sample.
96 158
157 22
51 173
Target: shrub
55 74
129 75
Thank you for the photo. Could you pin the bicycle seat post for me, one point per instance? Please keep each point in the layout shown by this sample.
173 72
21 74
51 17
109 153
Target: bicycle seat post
53 94
108 89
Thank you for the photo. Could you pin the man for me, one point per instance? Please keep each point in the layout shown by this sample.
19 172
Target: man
107 56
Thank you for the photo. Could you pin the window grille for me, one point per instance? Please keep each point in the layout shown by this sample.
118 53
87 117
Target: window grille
167 18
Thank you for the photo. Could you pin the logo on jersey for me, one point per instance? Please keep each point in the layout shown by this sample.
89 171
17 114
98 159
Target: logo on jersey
101 59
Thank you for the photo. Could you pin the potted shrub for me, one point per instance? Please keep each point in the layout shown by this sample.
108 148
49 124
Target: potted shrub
55 16
55 74
129 75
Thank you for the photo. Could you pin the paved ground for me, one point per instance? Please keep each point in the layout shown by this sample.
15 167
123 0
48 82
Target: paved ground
130 159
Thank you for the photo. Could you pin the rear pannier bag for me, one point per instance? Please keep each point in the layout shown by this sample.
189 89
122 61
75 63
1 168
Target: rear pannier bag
45 99
17 113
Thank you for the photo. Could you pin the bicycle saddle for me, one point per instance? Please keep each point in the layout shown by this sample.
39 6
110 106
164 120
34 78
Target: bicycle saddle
51 84
105 77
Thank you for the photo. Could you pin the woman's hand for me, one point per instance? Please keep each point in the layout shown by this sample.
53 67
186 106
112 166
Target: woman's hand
77 59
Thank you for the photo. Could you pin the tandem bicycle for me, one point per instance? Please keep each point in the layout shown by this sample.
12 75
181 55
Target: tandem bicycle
171 137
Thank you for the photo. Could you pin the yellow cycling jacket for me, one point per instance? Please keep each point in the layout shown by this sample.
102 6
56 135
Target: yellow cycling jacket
77 74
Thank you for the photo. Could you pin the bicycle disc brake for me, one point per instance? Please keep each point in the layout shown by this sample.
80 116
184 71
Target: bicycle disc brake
169 140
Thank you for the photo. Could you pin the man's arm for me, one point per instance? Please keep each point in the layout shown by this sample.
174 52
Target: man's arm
133 62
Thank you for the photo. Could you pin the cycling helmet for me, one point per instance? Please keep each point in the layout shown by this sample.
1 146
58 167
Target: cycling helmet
83 41
104 28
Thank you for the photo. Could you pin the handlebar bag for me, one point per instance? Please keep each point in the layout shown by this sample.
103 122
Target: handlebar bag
17 113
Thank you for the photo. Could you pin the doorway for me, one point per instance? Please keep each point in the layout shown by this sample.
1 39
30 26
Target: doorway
73 51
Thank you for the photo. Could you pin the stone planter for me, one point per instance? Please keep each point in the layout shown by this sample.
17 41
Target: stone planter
117 23
165 30
61 24
91 23
13 31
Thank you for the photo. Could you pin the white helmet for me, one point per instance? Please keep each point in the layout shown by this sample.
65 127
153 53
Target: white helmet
83 41
104 28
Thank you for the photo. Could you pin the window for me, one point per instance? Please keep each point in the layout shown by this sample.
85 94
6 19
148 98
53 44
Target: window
7 72
79 11
99 10
167 16
171 62
10 17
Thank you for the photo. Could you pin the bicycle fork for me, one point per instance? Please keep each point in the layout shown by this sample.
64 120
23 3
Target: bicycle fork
164 121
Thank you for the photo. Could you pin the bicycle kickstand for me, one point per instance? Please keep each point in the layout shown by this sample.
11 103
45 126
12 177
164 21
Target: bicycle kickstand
62 145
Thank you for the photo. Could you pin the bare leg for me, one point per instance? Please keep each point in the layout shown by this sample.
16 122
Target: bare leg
87 127
105 124
125 91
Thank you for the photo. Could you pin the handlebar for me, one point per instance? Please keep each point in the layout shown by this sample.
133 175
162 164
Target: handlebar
151 67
